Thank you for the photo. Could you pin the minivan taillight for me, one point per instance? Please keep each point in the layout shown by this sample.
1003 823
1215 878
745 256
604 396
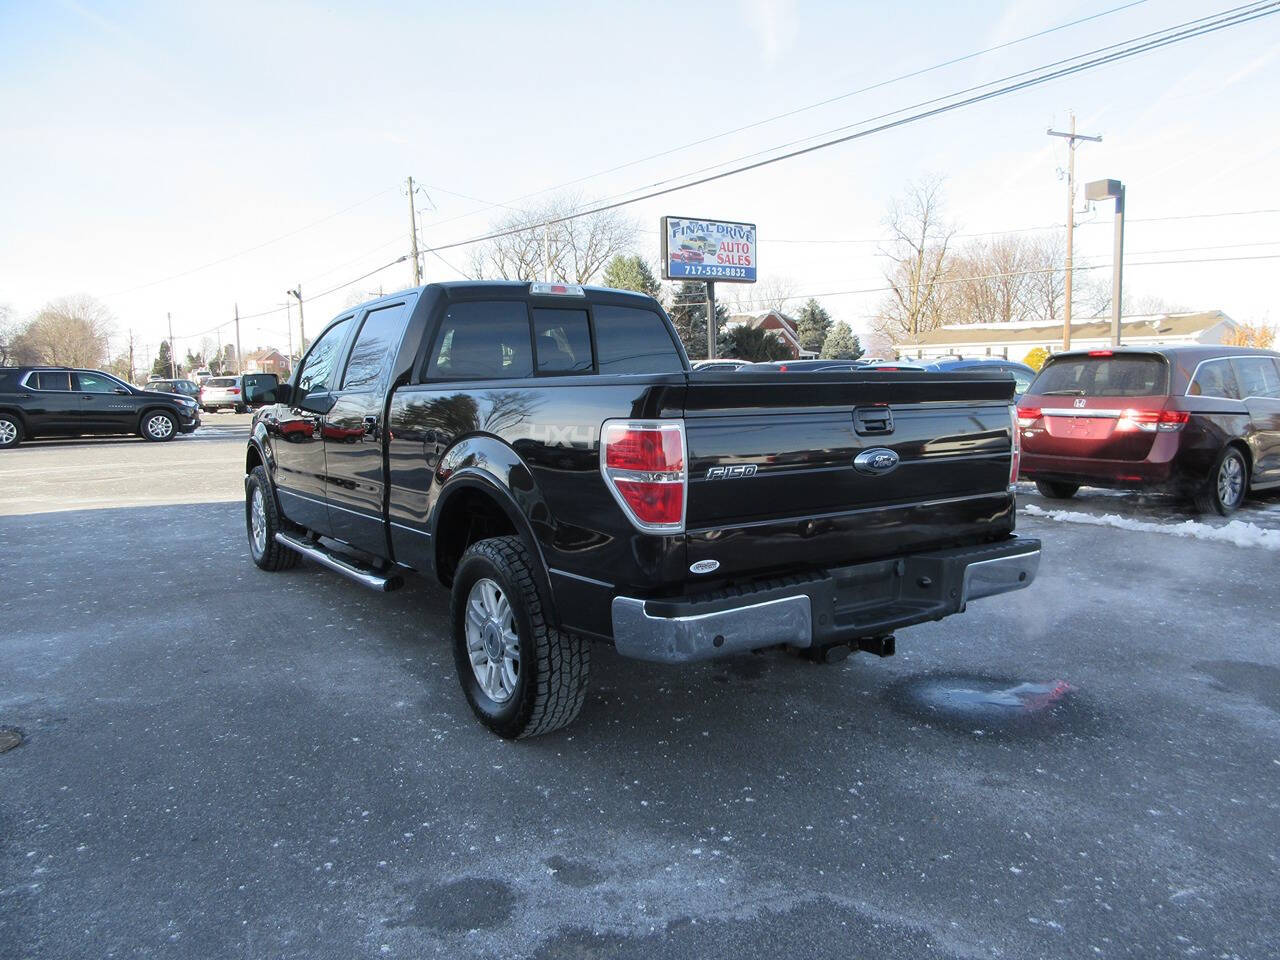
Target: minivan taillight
1151 421
1026 416
644 467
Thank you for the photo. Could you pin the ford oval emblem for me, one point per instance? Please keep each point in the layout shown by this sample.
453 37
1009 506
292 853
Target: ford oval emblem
876 462
704 566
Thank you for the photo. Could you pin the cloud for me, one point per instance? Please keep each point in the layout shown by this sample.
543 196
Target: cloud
774 22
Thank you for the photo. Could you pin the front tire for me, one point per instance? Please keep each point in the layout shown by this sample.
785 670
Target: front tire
241 408
1227 484
262 521
159 426
521 676
1056 489
10 431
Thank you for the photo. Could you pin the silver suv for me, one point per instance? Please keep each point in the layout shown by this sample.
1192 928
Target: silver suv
219 393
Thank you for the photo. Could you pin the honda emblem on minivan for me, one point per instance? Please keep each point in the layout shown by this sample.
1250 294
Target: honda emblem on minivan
876 462
1079 402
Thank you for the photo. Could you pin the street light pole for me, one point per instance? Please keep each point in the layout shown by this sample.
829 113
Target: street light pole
1100 190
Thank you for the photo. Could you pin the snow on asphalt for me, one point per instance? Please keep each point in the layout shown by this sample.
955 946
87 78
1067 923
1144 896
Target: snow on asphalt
1240 532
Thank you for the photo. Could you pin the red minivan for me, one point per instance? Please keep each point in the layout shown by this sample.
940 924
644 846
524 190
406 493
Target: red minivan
1203 421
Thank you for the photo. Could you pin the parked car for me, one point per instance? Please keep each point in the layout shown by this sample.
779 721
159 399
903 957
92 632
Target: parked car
1021 373
62 401
184 388
1202 421
721 364
545 452
805 366
896 366
222 393
201 375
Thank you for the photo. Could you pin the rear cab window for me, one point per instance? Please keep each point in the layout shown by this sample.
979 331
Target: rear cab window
634 340
1105 375
482 340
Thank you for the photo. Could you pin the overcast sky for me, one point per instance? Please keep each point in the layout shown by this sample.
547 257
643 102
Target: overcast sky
187 157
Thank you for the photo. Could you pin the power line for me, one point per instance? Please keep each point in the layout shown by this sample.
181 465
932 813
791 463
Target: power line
1169 36
788 113
1011 273
240 253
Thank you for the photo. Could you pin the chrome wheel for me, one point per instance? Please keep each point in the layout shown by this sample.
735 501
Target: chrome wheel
8 433
160 427
1231 481
258 523
493 646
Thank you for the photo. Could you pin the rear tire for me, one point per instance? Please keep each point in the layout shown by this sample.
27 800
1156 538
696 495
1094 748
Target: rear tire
521 676
10 431
1057 489
262 520
1227 484
241 408
158 426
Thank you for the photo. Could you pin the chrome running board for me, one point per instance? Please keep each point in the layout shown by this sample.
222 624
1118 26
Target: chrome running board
365 576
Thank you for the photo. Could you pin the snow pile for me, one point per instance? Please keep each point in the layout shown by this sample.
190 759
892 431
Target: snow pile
1238 532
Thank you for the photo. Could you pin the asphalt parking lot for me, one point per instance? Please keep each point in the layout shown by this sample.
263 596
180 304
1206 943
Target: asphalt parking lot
219 762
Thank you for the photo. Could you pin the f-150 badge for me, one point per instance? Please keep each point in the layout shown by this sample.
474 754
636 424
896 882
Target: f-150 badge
735 472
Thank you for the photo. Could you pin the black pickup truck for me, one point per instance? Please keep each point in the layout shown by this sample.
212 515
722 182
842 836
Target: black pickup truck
546 451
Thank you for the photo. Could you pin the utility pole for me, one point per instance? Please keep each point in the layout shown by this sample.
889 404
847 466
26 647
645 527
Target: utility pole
296 293
546 253
173 364
1071 139
239 356
131 355
413 240
288 316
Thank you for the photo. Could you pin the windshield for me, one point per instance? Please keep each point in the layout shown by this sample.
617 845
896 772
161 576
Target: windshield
1121 375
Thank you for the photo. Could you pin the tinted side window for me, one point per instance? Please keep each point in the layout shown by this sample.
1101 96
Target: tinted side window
563 340
377 340
317 369
96 383
1215 379
482 340
52 381
1257 376
630 340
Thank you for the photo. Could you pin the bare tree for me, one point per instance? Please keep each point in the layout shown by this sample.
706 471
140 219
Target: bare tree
9 331
570 251
71 330
918 245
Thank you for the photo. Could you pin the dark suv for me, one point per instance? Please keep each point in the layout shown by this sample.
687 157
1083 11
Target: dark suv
1199 420
58 401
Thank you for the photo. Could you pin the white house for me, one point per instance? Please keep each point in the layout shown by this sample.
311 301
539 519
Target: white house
1013 341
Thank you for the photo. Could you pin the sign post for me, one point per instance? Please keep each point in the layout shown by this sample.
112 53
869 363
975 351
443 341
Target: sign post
711 251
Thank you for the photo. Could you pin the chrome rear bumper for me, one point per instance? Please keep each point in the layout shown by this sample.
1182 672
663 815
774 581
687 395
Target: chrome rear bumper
836 606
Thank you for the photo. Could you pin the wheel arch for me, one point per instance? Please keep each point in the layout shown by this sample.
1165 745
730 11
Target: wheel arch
474 505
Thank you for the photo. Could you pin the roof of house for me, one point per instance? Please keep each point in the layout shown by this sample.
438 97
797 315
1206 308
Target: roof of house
1159 325
757 320
264 354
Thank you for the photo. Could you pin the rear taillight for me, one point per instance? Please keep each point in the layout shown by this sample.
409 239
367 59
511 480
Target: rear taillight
1015 459
643 463
1028 415
1151 421
1101 353
233 390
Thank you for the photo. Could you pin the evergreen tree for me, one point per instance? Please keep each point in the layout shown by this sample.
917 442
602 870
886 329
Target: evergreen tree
754 344
813 323
689 314
163 363
630 272
841 344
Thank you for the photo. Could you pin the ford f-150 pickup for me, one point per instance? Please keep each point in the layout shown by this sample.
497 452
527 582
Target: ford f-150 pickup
547 453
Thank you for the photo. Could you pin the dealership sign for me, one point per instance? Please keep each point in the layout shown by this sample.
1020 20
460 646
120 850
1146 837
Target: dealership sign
708 250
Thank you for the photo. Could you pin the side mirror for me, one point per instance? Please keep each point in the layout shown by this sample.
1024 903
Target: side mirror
264 388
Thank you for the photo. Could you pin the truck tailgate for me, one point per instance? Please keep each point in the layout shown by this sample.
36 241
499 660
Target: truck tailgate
772 475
